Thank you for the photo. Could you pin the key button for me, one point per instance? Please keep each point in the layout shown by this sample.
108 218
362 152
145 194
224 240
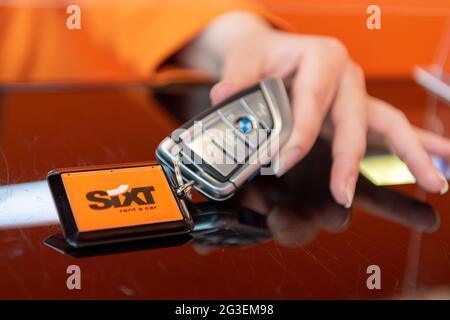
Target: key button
206 150
223 136
231 112
255 103
245 124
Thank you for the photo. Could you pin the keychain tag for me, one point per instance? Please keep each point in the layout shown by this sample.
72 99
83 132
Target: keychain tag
100 205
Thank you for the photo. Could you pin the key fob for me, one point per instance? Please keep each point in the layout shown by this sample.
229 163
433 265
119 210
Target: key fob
228 144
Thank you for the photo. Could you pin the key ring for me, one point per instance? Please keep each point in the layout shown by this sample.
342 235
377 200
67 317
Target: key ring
178 176
183 189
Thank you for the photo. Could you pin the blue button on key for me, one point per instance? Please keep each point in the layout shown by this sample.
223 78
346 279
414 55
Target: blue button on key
244 124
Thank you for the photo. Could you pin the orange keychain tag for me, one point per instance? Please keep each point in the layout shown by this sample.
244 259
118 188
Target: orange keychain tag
108 204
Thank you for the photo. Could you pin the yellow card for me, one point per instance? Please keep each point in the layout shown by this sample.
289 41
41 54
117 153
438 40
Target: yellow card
385 170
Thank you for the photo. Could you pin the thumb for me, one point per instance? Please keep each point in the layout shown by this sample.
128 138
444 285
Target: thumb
224 89
239 72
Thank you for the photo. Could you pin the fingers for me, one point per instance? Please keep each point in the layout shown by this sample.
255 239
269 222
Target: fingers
433 143
290 229
395 206
293 230
243 67
394 126
313 89
349 117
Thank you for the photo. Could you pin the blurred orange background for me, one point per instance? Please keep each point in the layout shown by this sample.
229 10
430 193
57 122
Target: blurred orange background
410 35
112 48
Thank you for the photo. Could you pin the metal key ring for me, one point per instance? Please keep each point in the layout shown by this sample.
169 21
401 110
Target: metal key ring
177 170
185 189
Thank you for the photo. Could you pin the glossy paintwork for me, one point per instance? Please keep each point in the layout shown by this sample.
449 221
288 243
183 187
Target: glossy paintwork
319 249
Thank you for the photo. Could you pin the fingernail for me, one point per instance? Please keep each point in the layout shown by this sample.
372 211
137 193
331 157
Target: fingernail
444 188
349 193
287 160
219 92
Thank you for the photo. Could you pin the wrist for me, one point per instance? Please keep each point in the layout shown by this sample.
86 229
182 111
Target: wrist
227 30
209 49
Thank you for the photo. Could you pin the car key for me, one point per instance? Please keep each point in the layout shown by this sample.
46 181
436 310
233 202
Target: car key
228 144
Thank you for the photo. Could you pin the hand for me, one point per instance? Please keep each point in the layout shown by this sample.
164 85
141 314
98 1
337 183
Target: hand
326 84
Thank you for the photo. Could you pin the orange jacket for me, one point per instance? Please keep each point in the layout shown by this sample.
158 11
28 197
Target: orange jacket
118 40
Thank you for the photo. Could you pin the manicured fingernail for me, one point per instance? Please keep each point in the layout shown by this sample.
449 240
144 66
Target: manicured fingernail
287 159
349 193
444 188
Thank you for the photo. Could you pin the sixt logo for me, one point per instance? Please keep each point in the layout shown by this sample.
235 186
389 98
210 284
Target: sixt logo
120 197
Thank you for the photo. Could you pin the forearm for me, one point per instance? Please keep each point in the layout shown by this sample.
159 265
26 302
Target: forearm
209 49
